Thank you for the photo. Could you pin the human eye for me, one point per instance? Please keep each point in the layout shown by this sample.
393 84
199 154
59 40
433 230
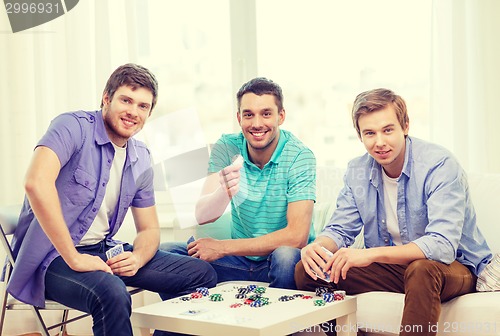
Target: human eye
144 107
388 130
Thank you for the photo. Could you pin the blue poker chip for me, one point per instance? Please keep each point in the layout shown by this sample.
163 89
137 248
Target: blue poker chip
328 297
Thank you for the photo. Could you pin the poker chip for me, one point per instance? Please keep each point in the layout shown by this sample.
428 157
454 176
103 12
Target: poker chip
185 298
248 301
243 290
264 300
259 303
202 290
255 297
216 297
260 290
251 287
240 296
196 295
319 302
328 297
339 295
298 295
236 305
307 297
285 298
321 290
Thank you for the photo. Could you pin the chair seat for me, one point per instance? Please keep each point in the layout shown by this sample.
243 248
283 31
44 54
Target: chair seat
15 304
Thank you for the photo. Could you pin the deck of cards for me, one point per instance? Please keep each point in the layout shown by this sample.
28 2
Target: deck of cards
114 251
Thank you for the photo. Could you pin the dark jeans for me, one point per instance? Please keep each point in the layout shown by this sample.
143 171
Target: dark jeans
425 283
277 269
105 296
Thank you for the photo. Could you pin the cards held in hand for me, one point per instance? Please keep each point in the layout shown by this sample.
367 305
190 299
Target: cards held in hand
114 251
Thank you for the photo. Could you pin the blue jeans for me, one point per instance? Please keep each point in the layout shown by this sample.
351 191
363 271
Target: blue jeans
278 269
105 296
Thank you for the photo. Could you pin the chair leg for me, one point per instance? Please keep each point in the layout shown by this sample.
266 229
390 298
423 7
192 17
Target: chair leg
62 328
43 328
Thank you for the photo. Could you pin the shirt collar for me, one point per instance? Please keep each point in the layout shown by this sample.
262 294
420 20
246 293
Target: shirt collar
276 157
376 169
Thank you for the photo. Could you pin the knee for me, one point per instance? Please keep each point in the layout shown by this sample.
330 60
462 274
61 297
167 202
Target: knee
285 256
110 294
207 274
423 273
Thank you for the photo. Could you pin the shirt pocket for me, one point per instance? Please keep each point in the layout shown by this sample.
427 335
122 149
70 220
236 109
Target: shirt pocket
81 189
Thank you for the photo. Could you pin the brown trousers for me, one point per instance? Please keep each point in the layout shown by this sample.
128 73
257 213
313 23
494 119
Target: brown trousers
425 283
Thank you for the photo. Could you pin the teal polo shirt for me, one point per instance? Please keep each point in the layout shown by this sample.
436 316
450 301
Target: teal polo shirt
261 204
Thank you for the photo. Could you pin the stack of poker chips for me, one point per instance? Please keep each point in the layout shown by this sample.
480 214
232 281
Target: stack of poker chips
339 295
216 297
322 290
319 302
328 297
202 290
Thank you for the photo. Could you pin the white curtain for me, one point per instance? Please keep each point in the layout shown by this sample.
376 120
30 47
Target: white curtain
60 66
465 81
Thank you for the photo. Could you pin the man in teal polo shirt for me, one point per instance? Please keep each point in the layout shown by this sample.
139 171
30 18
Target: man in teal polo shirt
269 177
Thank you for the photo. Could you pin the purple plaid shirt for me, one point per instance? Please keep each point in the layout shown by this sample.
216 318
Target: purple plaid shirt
83 147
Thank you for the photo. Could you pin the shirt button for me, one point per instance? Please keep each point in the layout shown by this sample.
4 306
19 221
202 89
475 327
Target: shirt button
86 183
103 184
109 160
386 240
94 209
81 231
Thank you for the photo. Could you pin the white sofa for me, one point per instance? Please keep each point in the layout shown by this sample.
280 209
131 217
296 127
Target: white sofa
379 313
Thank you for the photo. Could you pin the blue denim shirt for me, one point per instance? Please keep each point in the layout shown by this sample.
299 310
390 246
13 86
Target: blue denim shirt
434 208
85 152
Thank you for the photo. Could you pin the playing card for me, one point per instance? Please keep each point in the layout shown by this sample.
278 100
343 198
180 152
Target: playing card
190 240
114 251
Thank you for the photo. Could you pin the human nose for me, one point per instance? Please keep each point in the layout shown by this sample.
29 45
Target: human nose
257 122
379 140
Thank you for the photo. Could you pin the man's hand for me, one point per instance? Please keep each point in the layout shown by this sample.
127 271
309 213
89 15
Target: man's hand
344 259
207 249
229 178
124 264
314 258
87 263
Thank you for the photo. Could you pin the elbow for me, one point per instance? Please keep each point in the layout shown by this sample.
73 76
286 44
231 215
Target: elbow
201 217
32 185
299 241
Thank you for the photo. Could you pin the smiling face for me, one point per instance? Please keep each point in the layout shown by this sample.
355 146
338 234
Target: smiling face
126 112
384 139
260 119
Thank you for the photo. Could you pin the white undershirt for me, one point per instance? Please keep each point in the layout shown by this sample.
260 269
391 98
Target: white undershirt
391 206
100 227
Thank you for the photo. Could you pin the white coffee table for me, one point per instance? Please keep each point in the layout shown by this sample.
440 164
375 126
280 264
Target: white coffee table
205 317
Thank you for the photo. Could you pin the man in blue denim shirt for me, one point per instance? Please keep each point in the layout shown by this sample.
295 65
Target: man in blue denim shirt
412 199
85 173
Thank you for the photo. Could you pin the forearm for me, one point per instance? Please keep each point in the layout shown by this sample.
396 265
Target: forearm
403 254
263 245
146 245
211 206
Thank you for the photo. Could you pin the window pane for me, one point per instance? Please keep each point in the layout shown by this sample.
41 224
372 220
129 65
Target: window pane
323 53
